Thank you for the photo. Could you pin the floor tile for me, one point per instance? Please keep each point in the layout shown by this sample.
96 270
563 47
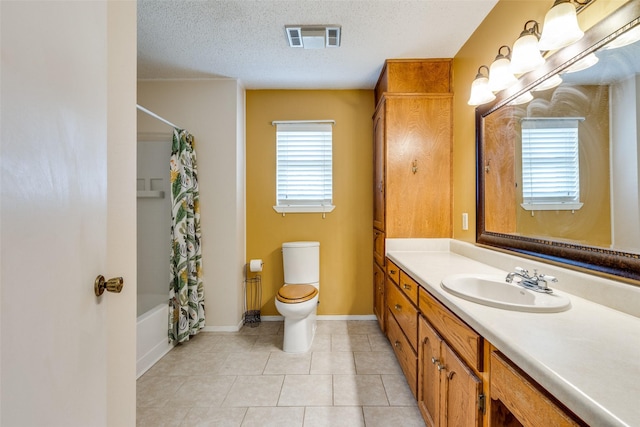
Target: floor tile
363 327
268 343
358 390
234 343
202 391
274 417
385 416
376 362
340 362
244 363
185 363
214 417
398 391
284 363
321 342
156 391
160 417
349 377
254 390
334 416
306 390
350 343
331 327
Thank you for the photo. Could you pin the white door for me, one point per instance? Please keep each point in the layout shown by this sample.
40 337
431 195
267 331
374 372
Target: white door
68 154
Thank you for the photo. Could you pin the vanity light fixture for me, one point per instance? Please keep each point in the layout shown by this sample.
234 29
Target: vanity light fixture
561 27
522 99
500 75
526 55
480 92
624 39
584 63
549 83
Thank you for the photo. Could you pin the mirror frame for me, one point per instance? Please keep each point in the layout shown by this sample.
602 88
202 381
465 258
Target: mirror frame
615 264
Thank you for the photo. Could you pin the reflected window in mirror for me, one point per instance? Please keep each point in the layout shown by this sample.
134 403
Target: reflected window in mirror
550 163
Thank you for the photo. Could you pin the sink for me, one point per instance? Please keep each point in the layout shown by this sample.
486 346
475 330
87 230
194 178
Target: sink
494 291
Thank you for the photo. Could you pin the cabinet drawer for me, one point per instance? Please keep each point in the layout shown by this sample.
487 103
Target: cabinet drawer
406 355
526 400
409 287
464 340
393 272
404 312
378 247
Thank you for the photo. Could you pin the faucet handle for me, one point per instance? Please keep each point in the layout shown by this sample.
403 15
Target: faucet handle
521 270
548 278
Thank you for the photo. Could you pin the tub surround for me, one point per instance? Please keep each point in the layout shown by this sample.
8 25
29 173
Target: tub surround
586 356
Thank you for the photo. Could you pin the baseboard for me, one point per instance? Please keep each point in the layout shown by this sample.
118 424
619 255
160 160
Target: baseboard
148 360
223 328
326 317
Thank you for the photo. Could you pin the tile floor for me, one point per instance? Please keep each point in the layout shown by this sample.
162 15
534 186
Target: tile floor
349 378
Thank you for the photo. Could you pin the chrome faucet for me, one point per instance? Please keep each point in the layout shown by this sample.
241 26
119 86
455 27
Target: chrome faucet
536 282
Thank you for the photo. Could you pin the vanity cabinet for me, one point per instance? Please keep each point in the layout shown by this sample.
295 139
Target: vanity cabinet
378 295
402 325
457 377
412 143
449 391
519 401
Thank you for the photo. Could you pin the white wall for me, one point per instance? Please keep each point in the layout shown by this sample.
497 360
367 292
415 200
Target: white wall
213 111
625 164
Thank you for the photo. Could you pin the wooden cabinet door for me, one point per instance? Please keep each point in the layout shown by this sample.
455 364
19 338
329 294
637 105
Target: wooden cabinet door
428 375
418 165
378 295
378 167
460 392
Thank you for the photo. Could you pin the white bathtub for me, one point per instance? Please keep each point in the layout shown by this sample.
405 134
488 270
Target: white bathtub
153 323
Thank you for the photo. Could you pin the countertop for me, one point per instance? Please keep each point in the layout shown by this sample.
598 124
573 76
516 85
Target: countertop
588 357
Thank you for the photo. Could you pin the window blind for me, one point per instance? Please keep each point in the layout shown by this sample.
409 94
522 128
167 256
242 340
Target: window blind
304 164
550 162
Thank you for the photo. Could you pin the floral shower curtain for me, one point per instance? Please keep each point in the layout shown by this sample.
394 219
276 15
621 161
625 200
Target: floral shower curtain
186 306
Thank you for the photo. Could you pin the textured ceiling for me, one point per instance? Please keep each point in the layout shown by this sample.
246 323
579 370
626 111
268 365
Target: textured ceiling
246 40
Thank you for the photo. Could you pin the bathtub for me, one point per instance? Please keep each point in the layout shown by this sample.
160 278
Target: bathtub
152 325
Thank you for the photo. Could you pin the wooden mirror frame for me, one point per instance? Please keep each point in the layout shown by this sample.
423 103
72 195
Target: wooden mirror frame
621 265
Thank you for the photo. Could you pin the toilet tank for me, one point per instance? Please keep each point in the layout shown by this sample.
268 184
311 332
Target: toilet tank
301 262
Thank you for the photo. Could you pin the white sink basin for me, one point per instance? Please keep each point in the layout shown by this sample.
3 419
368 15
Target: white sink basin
494 291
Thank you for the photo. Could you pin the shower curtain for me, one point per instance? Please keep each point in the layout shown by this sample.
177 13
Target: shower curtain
186 306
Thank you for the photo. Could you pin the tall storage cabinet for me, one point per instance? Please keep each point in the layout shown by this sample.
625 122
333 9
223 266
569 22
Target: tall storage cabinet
412 129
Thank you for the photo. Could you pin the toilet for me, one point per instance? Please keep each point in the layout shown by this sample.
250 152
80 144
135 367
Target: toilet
297 299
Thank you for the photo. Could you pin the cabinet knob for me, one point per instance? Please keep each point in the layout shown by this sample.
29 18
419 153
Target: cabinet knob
398 307
408 287
396 344
434 360
441 367
392 271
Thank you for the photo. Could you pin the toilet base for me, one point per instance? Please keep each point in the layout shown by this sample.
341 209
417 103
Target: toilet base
298 334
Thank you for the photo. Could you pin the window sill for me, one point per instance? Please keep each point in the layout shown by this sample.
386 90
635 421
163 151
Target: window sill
304 209
551 206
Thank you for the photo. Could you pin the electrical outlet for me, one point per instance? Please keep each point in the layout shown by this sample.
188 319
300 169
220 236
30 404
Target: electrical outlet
465 221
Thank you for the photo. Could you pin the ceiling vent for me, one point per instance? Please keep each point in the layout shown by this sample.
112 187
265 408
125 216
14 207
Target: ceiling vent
313 37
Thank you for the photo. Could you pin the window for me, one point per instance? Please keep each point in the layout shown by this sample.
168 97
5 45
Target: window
550 163
304 181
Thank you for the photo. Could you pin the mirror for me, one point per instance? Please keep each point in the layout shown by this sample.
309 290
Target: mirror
558 176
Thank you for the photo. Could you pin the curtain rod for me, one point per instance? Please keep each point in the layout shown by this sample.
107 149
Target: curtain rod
276 122
155 116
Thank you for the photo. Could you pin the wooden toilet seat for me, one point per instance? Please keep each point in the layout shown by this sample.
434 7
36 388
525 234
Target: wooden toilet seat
293 294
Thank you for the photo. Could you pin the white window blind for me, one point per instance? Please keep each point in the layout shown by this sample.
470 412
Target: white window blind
550 163
304 178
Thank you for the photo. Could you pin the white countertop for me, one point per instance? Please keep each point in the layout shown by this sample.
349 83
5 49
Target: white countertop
588 357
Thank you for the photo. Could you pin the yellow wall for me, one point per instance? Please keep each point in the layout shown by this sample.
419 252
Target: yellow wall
345 238
502 26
